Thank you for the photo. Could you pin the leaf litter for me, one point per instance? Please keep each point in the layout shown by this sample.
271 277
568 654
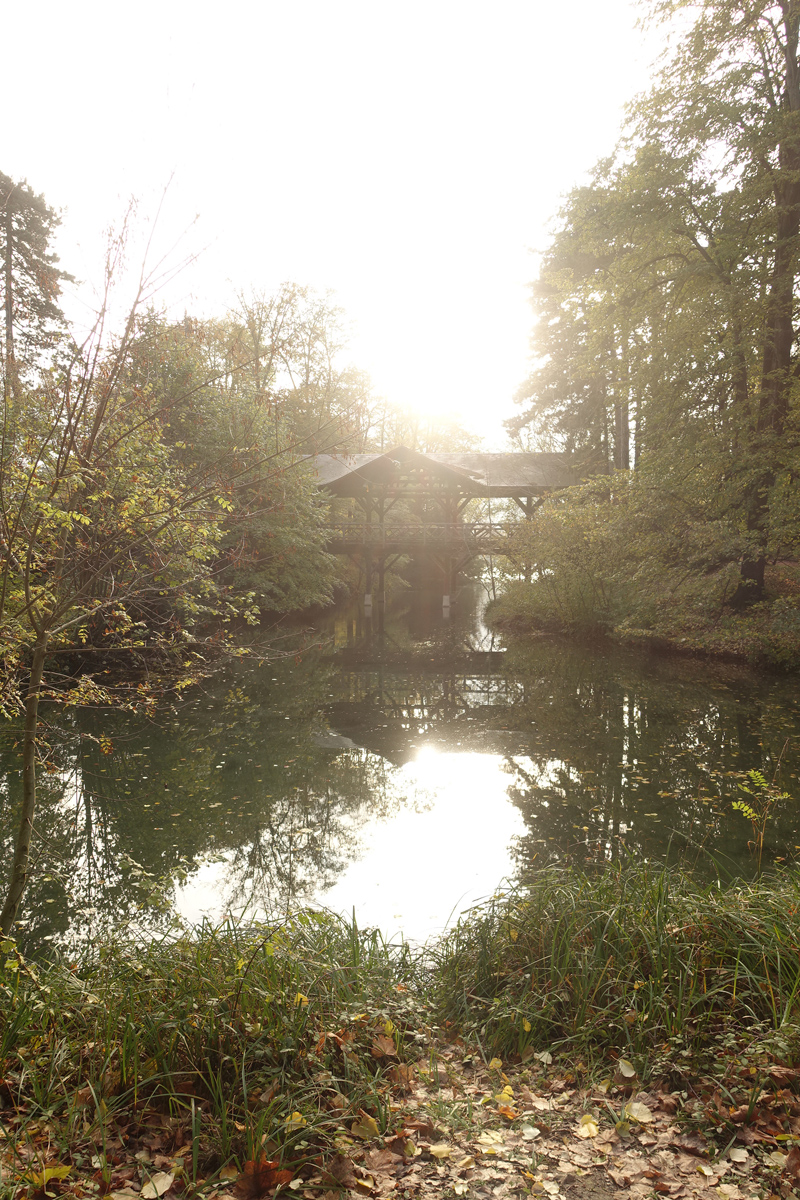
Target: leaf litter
456 1126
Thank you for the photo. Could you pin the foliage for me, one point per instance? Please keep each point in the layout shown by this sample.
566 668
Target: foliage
666 339
637 959
30 280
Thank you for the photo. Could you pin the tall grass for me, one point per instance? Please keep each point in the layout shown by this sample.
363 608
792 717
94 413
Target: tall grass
245 1036
640 960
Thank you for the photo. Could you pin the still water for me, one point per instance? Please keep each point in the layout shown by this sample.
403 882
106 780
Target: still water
403 774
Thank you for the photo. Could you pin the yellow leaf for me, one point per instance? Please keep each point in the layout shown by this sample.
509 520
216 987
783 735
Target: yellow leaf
388 1028
301 999
41 1178
526 1025
587 1127
365 1128
465 1163
367 1183
495 1064
296 1121
440 1150
639 1112
627 1069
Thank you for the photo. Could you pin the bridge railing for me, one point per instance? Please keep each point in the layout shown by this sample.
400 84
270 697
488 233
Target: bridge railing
472 536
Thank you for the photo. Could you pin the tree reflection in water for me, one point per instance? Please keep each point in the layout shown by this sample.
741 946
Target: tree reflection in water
282 770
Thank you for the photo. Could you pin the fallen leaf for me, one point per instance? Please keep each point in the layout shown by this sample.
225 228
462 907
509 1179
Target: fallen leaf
157 1185
440 1150
626 1068
496 1064
792 1164
508 1112
465 1163
587 1127
640 1112
489 1138
43 1177
544 1057
738 1156
259 1178
529 1132
383 1046
365 1127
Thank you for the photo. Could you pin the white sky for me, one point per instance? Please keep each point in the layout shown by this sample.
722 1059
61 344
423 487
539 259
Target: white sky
408 156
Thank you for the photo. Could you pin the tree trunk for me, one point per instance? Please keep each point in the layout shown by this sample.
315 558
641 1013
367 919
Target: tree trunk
19 868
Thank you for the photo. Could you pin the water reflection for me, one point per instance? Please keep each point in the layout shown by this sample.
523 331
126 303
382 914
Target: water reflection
403 776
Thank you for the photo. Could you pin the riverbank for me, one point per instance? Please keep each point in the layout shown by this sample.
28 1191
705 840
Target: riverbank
763 635
589 1032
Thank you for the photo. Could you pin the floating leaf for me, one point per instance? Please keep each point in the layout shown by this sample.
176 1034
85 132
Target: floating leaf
157 1185
626 1068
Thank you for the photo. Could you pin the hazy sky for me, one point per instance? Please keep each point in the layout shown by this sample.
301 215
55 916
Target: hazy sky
407 156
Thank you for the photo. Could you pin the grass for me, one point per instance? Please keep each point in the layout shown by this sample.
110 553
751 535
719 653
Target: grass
242 1039
640 961
231 1044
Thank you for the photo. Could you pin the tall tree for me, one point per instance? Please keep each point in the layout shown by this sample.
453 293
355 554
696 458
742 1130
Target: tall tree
667 304
31 277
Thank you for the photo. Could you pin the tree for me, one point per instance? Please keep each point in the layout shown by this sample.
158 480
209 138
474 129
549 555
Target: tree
667 303
31 278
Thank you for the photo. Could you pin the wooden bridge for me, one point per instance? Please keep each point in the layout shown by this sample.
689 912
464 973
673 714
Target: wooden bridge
470 537
401 502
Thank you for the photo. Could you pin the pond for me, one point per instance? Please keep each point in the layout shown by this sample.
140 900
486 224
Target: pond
402 773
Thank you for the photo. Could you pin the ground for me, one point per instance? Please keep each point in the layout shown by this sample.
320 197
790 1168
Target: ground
458 1126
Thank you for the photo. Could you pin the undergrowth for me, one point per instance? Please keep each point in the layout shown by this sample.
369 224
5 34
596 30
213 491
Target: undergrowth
641 961
230 1043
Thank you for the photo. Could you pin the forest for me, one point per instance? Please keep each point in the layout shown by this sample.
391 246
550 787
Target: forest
665 356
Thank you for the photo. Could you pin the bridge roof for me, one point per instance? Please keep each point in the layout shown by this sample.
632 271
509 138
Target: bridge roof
514 474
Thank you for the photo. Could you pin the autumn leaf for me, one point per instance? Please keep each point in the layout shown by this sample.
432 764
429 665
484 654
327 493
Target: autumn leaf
157 1185
626 1069
260 1178
43 1177
508 1112
440 1150
365 1127
383 1046
639 1112
587 1127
